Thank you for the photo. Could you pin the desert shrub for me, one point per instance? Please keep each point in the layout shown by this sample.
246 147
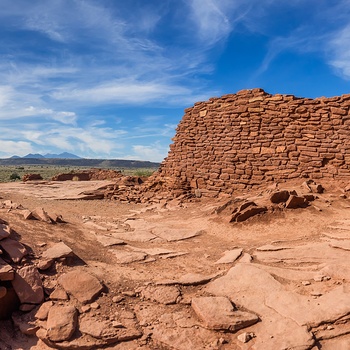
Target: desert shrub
14 177
75 178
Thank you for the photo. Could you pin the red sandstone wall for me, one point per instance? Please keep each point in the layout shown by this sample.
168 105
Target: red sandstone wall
238 141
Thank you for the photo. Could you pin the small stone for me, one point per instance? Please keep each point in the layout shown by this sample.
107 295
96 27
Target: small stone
95 306
4 231
45 264
305 283
27 214
59 294
117 299
41 215
245 337
129 293
85 308
43 311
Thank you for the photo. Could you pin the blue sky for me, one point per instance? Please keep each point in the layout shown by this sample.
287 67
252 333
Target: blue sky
111 78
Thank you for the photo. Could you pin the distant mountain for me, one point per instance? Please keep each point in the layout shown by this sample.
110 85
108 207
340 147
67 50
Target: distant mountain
64 155
36 156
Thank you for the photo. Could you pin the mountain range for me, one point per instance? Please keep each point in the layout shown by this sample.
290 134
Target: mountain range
64 155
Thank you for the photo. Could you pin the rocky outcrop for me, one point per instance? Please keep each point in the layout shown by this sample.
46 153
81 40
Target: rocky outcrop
243 140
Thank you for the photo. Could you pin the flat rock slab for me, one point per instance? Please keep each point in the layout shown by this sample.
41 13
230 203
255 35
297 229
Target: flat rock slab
189 279
125 257
81 285
217 313
6 271
249 287
153 251
57 251
161 294
14 249
61 322
135 236
175 234
28 286
108 241
4 231
271 248
230 256
111 332
139 224
308 253
345 245
172 333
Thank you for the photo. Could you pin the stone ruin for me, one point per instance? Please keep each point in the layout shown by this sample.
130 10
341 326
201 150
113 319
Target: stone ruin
242 140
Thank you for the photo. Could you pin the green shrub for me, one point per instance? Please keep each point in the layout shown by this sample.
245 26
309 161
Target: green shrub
14 177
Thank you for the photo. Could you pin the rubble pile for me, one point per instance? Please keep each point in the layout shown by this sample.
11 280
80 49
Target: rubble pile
87 175
31 177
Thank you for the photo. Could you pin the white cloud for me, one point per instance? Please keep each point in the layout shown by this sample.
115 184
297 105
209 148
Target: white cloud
153 153
10 148
339 52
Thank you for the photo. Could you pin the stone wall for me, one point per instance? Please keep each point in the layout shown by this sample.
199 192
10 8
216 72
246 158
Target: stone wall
243 140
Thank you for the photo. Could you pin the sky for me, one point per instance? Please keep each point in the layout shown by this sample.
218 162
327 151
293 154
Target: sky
111 78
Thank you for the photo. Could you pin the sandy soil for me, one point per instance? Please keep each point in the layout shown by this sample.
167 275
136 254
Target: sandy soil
189 238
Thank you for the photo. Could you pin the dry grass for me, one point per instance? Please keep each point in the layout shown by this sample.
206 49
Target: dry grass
47 172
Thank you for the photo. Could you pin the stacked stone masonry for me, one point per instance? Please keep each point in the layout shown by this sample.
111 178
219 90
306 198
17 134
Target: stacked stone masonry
242 140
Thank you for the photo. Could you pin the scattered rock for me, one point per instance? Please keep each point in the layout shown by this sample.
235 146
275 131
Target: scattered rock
6 271
4 231
61 322
108 241
279 196
161 294
217 313
245 337
230 256
43 311
27 214
294 202
81 285
41 215
125 257
57 251
14 249
28 286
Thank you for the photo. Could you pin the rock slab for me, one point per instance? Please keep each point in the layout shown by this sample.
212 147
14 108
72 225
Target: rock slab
218 313
81 285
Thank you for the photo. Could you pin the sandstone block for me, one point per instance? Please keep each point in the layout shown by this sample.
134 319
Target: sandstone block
61 322
81 285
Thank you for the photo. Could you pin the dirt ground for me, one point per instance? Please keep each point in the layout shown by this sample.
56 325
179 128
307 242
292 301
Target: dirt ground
289 267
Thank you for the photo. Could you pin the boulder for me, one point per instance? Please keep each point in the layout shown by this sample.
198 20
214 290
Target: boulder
28 286
217 313
279 196
61 322
57 251
294 202
81 285
14 249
